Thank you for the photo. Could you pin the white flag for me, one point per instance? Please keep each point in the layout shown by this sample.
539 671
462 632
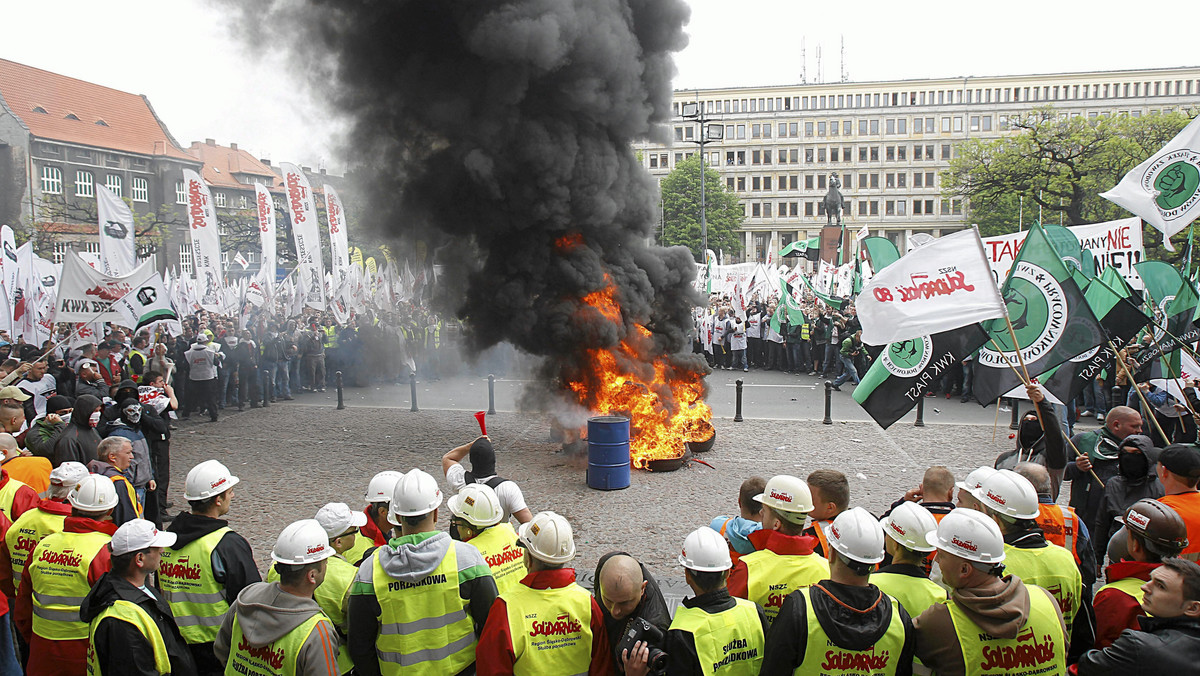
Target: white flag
266 227
1165 189
863 233
339 246
943 285
87 295
118 256
147 302
8 246
310 278
28 296
206 241
241 260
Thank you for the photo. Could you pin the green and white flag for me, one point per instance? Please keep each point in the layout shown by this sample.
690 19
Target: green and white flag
1165 189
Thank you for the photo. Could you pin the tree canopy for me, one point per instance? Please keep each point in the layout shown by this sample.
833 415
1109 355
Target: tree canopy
681 209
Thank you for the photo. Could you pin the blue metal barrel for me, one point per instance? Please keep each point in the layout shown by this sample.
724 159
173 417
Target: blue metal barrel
608 453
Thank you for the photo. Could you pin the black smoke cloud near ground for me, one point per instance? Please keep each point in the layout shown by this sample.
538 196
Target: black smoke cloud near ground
490 130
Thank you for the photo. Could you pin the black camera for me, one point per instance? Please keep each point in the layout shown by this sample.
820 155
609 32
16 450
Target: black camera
639 629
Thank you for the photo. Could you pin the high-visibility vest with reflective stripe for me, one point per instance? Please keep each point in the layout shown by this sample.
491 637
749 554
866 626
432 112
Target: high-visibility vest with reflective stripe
1052 568
361 544
26 532
58 571
1188 507
277 658
821 656
423 626
330 595
1038 649
141 620
916 594
330 340
498 545
770 577
1061 526
804 331
1127 585
190 586
821 527
8 492
551 630
728 643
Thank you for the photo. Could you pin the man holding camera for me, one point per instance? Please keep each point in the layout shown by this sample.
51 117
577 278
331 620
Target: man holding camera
630 600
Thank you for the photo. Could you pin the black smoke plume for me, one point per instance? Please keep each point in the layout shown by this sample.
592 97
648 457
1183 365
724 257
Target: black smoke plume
500 134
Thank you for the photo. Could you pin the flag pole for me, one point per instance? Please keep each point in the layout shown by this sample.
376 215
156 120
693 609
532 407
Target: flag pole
97 316
1129 376
1176 378
996 422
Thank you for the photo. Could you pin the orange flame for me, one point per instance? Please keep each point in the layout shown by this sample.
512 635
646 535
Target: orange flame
664 403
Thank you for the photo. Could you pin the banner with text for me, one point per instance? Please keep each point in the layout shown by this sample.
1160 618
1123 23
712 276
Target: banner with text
1113 243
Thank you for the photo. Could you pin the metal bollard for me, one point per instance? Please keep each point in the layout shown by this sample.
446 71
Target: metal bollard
828 403
1016 414
412 388
491 394
338 379
737 416
920 413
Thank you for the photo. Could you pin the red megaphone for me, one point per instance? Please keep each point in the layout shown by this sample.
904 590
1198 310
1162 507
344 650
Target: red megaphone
481 416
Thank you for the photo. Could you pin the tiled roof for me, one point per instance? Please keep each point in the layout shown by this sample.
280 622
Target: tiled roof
84 112
60 228
222 162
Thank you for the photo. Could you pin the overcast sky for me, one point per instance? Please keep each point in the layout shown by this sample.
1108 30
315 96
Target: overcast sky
149 46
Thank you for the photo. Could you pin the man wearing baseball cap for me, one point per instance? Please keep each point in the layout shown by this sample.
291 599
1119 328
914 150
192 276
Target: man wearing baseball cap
131 629
90 381
1179 472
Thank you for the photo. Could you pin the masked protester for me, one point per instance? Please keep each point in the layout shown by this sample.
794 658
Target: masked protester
128 424
1038 442
79 441
1135 479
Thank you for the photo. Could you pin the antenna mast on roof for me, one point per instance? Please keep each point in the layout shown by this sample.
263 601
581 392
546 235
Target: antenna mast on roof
845 77
803 63
820 73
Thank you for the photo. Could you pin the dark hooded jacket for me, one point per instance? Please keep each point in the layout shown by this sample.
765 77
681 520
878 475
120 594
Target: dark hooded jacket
854 618
652 607
121 649
1136 478
78 442
1034 445
140 472
1163 646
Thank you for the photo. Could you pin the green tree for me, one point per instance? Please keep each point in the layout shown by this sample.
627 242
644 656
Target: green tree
681 209
1059 164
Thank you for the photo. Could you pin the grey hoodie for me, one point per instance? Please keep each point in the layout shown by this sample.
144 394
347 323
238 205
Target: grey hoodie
266 614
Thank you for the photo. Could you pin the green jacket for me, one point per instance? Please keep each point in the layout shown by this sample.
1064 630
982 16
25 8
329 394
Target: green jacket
850 346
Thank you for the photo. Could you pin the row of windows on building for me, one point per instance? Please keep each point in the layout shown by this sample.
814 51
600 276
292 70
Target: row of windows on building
920 207
865 181
941 97
816 155
139 188
892 126
185 258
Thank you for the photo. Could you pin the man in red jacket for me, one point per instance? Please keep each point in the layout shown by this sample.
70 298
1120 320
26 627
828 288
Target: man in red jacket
548 624
1156 532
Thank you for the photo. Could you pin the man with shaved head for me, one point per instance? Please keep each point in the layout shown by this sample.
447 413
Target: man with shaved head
1101 448
936 493
626 590
1060 524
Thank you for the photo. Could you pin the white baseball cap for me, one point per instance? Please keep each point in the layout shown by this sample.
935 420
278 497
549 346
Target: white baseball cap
68 474
140 534
88 363
337 518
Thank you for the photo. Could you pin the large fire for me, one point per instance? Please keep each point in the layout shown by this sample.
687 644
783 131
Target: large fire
664 403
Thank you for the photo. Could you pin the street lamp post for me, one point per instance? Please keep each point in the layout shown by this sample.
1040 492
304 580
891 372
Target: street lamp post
708 134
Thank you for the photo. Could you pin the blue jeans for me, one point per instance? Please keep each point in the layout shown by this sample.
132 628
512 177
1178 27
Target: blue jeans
266 379
848 371
739 360
8 652
222 386
283 378
968 379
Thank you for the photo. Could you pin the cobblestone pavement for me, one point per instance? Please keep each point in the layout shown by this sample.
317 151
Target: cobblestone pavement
292 459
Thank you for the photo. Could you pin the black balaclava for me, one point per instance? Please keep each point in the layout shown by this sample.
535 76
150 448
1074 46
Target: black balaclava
483 458
1029 432
1136 466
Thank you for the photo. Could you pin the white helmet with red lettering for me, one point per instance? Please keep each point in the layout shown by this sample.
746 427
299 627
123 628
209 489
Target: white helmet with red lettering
705 551
302 542
1009 494
970 534
910 524
856 535
207 479
787 494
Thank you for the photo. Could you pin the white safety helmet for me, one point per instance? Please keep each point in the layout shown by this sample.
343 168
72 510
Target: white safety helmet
207 479
856 535
1008 493
381 486
975 478
415 494
93 493
477 504
548 538
302 542
910 524
705 551
970 534
785 493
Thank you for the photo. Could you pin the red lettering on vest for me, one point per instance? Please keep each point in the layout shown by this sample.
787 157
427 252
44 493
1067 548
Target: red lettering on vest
265 653
507 556
64 558
856 660
180 570
561 626
1023 655
25 544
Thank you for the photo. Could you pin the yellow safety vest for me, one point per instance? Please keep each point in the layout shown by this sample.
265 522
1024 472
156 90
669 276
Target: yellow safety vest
277 658
330 336
122 479
770 577
424 626
728 643
916 594
134 376
141 620
1052 568
190 586
331 596
498 545
26 532
804 331
1039 648
1128 585
551 630
821 656
7 493
358 550
58 571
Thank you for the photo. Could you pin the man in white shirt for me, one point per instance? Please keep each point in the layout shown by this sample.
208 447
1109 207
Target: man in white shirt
483 471
737 343
720 327
40 385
